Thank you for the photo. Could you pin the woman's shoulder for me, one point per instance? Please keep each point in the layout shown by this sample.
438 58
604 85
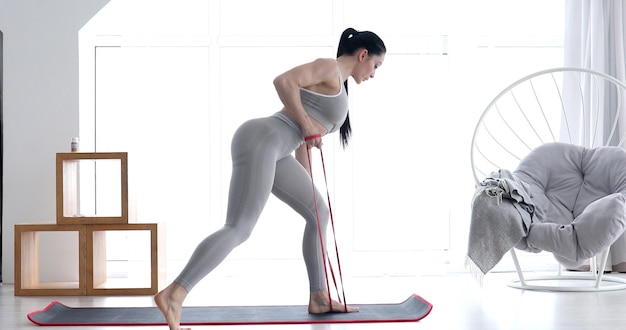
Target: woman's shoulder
326 66
325 62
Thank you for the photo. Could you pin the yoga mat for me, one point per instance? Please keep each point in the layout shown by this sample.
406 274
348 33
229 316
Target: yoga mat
56 314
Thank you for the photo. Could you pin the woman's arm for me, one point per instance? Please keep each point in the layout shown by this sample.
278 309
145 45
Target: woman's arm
288 84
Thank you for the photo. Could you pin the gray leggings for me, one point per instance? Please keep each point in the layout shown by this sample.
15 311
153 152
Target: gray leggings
262 161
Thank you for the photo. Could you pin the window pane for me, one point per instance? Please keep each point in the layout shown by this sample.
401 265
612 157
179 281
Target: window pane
153 103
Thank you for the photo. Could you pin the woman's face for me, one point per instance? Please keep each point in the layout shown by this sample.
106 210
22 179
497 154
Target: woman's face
367 66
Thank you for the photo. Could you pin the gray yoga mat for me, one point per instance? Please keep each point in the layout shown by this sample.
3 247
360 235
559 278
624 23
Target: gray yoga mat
413 309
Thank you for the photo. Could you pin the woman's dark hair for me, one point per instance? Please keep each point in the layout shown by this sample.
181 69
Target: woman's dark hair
352 40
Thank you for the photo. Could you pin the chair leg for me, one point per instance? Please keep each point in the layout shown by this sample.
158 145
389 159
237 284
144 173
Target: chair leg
520 274
593 265
604 256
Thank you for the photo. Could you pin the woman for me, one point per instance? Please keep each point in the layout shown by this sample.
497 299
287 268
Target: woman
315 102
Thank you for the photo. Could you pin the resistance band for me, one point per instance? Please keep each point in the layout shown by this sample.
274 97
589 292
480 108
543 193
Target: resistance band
319 230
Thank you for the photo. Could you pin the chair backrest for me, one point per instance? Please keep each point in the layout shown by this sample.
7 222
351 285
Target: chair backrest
563 179
570 105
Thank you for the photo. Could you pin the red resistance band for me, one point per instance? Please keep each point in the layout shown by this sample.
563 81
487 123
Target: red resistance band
319 229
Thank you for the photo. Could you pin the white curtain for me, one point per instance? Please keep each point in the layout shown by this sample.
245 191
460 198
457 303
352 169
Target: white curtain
594 36
594 39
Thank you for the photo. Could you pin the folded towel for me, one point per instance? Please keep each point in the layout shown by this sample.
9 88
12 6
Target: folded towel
502 212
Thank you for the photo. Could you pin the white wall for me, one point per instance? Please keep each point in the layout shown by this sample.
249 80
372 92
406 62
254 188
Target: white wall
40 106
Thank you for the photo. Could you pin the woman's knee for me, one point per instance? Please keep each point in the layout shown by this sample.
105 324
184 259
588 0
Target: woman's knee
322 213
238 232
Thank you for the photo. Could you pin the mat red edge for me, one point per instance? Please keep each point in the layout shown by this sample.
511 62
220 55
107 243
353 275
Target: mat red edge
55 302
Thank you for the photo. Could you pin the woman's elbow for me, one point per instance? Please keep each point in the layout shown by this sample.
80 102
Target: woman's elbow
279 82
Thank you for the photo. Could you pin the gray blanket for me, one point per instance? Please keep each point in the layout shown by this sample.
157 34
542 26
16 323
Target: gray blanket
502 212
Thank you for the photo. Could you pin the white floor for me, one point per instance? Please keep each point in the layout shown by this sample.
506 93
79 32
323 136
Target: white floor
459 303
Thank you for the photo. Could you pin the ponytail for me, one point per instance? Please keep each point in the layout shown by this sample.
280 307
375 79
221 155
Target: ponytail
350 41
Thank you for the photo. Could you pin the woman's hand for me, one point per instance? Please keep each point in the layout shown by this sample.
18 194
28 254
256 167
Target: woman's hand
313 140
311 136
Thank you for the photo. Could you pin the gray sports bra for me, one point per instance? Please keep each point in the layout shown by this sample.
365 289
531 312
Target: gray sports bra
328 110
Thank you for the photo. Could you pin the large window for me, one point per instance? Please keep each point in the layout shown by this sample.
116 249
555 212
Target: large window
170 81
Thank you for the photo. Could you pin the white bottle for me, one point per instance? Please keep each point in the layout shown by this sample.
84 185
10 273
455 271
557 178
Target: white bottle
74 145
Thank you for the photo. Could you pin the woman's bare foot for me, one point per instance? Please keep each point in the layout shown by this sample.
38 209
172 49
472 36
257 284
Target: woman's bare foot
318 304
170 302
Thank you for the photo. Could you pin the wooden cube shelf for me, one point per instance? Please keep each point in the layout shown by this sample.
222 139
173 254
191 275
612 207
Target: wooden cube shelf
68 176
96 272
27 261
92 278
91 229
